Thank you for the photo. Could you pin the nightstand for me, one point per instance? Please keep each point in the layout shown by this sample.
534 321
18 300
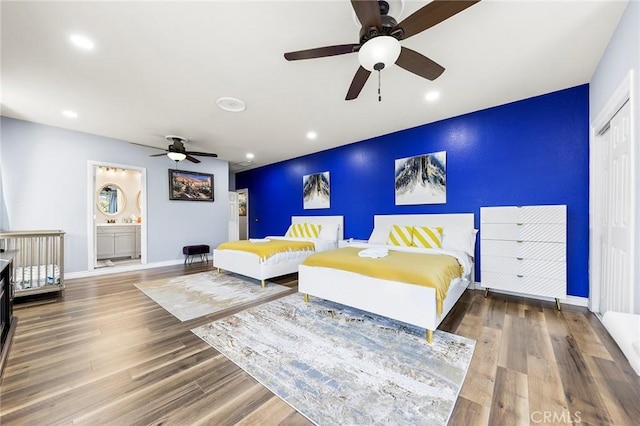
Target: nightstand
346 243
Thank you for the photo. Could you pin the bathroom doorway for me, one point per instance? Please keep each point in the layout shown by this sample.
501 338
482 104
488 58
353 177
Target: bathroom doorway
117 216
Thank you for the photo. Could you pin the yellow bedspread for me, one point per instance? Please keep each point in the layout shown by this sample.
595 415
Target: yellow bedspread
430 270
266 249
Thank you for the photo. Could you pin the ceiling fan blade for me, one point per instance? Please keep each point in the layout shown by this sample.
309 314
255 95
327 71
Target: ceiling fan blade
357 83
419 64
368 13
157 155
146 146
192 159
201 154
321 52
432 14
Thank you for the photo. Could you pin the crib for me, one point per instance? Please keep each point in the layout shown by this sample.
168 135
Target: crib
38 266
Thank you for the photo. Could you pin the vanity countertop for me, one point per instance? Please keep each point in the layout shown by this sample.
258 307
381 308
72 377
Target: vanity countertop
118 224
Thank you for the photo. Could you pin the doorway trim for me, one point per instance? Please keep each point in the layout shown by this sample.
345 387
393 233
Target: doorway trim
624 93
91 215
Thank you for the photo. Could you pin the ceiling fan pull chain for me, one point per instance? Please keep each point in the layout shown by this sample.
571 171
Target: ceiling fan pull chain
379 95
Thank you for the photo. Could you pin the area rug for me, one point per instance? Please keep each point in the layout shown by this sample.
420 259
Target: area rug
192 296
338 365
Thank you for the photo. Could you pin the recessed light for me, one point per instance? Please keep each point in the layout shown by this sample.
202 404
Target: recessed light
231 104
312 135
81 42
432 96
250 156
70 114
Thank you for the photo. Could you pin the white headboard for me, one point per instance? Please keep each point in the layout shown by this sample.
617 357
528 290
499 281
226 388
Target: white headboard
322 220
455 220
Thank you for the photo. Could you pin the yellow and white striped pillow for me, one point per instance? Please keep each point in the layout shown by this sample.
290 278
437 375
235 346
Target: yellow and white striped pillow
427 237
303 230
400 235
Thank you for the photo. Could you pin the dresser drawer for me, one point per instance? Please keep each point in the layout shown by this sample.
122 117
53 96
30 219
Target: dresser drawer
549 232
526 249
524 267
524 214
530 285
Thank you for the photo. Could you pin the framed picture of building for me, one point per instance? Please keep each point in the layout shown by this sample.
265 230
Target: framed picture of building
190 186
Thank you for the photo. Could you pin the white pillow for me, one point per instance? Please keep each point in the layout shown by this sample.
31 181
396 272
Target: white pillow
460 240
379 236
329 232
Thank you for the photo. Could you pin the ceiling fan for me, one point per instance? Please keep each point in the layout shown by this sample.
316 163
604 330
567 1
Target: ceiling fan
380 37
176 150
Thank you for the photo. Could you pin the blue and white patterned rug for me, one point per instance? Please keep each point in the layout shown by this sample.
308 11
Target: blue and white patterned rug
192 296
338 365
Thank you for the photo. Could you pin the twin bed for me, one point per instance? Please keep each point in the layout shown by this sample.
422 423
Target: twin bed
251 265
424 306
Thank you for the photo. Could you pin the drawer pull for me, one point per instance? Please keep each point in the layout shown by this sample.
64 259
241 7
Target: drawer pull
519 241
520 276
519 223
520 258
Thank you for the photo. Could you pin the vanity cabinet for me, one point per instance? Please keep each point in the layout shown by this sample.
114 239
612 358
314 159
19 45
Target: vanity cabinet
118 241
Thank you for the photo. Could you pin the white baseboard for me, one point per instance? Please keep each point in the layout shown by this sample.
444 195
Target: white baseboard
569 300
117 269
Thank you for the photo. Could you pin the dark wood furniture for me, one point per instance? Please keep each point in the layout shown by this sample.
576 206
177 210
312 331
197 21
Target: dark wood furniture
7 321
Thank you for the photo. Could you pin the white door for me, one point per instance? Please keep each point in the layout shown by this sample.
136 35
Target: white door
234 227
617 219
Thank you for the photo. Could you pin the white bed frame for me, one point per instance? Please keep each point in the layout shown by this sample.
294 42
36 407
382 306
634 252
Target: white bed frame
248 264
411 304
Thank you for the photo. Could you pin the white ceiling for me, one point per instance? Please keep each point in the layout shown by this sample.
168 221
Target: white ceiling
158 68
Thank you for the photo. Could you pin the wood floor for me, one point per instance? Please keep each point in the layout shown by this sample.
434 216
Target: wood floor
107 354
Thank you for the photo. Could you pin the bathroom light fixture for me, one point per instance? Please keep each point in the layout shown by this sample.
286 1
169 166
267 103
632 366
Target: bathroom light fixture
176 156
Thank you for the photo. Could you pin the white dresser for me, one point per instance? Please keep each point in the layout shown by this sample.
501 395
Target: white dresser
523 249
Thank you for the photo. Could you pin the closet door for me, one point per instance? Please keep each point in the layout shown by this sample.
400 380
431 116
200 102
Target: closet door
617 221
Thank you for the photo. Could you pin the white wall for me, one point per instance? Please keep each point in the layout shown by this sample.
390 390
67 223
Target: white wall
622 54
44 186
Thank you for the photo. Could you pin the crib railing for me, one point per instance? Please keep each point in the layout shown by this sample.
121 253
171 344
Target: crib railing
38 266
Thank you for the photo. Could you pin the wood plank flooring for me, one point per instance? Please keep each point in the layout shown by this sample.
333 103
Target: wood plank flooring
107 354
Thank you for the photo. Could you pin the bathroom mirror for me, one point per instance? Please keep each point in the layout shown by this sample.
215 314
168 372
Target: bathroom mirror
111 199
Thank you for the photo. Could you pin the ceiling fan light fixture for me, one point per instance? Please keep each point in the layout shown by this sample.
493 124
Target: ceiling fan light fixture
383 50
176 156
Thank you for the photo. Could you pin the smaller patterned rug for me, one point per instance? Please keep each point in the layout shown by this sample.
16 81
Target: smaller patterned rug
192 296
339 365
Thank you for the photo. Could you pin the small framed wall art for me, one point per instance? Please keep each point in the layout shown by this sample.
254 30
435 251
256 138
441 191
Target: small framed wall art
421 179
316 191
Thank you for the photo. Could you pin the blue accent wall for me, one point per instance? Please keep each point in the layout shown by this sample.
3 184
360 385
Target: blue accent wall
530 152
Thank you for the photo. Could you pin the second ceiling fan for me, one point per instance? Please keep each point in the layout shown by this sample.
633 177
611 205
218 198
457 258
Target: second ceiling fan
380 37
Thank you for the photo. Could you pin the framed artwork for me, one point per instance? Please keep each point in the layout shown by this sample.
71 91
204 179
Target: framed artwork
190 186
242 203
316 191
421 179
